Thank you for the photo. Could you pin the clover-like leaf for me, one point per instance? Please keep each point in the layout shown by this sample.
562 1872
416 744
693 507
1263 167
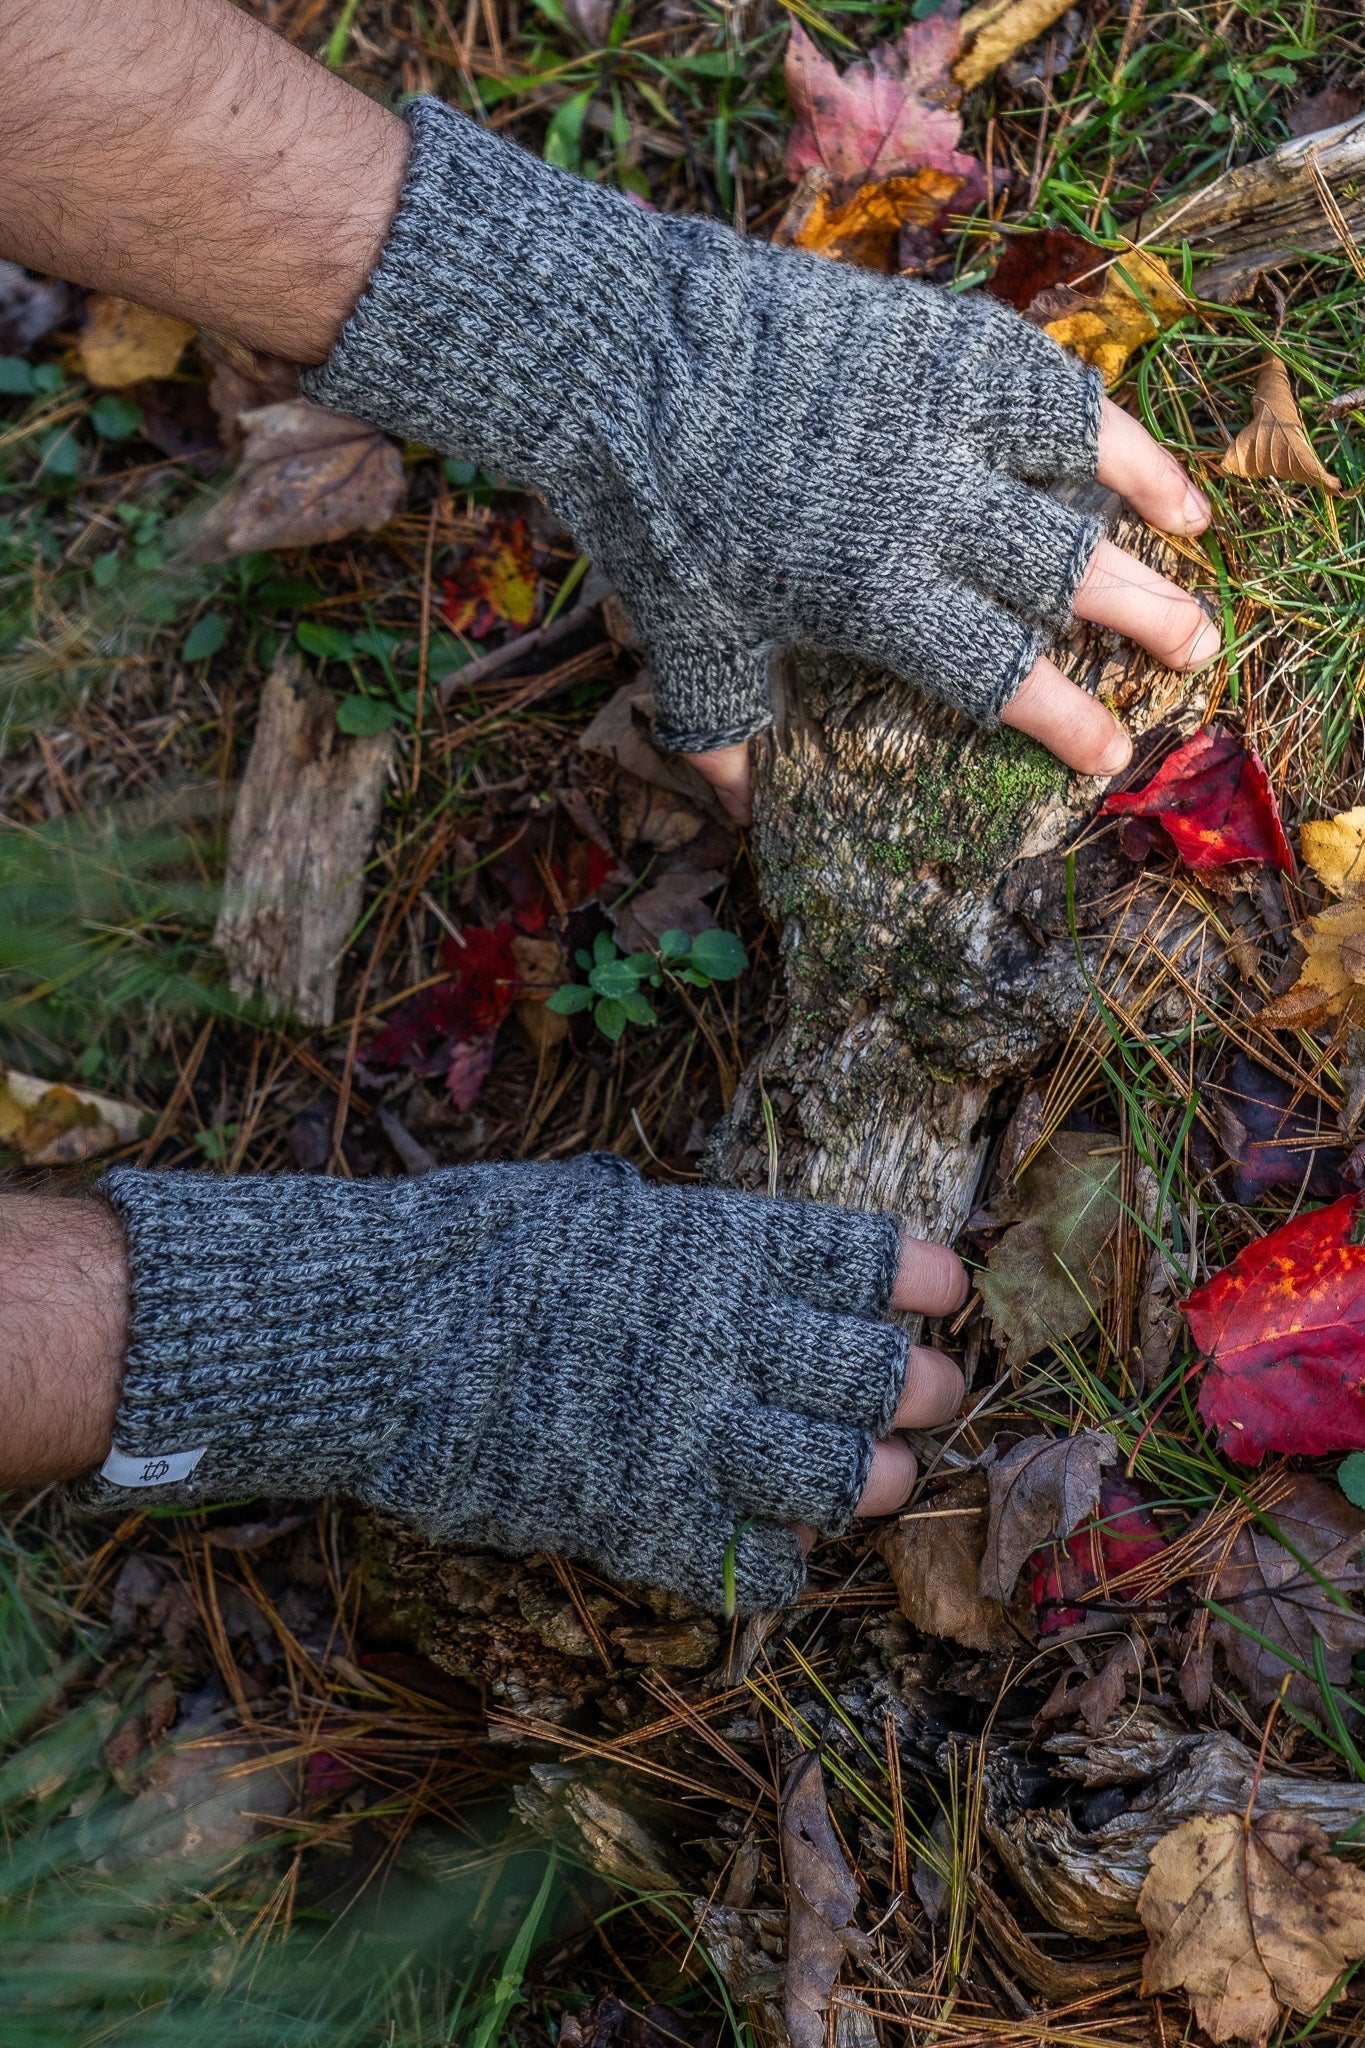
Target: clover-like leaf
570 999
719 954
610 1018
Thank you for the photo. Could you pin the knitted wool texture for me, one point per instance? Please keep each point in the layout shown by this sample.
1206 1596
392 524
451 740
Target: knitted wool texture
534 1357
758 447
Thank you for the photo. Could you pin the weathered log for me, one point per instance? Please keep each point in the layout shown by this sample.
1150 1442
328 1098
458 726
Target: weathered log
301 834
1307 197
1083 1872
900 849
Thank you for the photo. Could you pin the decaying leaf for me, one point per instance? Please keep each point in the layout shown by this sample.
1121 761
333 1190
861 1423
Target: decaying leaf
1036 263
822 1897
1312 113
866 227
452 1029
890 113
993 31
677 902
1266 1586
494 585
1073 1580
1040 1491
1275 442
1249 1919
305 476
1140 300
934 1556
1331 981
1334 849
121 343
1270 1134
50 1124
1046 1278
1284 1330
1213 798
541 969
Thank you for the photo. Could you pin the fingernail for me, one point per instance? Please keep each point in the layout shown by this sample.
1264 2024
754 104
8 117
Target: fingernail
1198 511
1207 642
1116 755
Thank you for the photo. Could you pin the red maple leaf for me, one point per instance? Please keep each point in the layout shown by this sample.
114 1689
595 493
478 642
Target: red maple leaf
1213 797
450 1029
1284 1330
1067 1577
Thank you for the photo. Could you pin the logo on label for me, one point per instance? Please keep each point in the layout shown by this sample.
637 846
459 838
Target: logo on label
167 1469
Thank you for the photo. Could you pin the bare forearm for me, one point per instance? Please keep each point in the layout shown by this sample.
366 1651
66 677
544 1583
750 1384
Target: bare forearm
178 153
63 1327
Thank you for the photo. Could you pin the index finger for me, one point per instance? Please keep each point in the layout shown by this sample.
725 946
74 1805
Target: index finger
929 1279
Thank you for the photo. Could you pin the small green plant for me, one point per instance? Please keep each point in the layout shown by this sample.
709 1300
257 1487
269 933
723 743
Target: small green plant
613 990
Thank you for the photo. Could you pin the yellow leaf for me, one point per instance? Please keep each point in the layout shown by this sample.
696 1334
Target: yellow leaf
1332 978
865 228
1275 442
49 1124
122 343
1334 849
1140 299
995 29
511 587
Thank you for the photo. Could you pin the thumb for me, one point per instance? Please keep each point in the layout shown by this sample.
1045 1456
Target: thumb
727 771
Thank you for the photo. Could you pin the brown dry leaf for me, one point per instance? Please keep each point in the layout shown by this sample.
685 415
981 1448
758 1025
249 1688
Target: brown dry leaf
822 1897
1331 981
993 31
1264 1584
121 343
1248 1920
50 1124
676 903
1276 443
1041 1491
1045 1279
1140 299
305 476
541 968
1334 849
866 228
934 1557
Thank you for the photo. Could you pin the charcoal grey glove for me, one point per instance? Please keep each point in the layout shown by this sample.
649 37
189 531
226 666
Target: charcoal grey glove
535 1357
758 447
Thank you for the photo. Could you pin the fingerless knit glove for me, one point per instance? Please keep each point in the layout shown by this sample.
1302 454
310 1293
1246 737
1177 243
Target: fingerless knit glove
757 446
534 1357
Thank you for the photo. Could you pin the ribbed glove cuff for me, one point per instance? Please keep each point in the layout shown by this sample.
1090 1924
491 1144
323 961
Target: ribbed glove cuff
537 1357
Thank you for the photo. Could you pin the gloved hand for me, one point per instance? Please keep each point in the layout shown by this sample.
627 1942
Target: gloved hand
535 1357
758 447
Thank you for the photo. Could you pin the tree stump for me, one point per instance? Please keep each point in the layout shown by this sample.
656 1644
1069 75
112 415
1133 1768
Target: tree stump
916 866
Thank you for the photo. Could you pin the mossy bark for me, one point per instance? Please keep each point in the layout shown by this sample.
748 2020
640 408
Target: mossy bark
897 844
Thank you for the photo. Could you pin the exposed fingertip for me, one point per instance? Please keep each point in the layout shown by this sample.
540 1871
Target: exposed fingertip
1197 511
891 1481
1204 647
929 1279
934 1389
1116 755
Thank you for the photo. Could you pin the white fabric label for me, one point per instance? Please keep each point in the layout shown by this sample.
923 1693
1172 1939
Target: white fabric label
122 1470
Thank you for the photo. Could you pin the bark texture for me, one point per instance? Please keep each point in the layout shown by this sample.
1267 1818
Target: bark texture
916 865
301 834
